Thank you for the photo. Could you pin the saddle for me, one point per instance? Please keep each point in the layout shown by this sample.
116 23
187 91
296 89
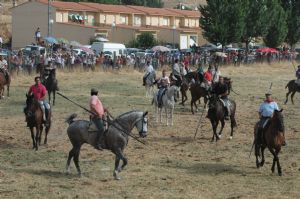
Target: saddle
297 82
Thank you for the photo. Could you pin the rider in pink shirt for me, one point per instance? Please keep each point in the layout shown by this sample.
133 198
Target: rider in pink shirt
97 117
39 92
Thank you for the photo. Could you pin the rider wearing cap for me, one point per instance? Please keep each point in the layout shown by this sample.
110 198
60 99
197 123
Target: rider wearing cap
266 111
97 117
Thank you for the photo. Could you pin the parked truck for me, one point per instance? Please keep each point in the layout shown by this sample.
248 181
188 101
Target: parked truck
116 49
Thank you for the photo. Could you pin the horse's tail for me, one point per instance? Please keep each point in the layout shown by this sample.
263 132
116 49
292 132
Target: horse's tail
71 118
152 101
288 84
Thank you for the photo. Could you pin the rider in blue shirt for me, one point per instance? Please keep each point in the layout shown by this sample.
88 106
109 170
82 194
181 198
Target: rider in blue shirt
266 111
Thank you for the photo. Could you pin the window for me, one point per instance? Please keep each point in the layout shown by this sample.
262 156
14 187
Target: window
165 21
123 19
59 17
137 20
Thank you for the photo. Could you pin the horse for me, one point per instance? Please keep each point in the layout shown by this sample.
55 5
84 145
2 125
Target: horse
168 103
185 85
34 119
293 88
115 138
149 84
273 139
3 82
197 91
216 113
51 84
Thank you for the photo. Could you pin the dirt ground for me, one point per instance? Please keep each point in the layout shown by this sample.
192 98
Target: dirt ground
171 165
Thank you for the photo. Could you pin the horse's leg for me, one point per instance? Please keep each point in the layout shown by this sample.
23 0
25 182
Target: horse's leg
166 110
262 156
49 95
117 162
287 96
76 159
232 125
192 108
222 127
278 164
7 90
171 115
54 97
71 155
46 133
214 127
292 97
32 137
37 136
41 132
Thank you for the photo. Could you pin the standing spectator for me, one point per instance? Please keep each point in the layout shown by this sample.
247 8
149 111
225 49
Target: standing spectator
1 42
38 35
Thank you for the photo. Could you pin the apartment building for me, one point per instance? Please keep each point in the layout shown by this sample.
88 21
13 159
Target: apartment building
118 23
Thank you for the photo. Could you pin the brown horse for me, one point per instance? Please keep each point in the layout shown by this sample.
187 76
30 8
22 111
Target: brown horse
273 139
293 88
197 91
4 81
34 118
51 83
186 85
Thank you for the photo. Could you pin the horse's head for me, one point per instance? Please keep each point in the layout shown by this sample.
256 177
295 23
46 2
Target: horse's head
212 100
278 119
28 110
142 125
228 82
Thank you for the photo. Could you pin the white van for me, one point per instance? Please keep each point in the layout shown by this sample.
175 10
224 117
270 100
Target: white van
117 49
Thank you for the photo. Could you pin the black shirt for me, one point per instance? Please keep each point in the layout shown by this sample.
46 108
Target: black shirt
220 88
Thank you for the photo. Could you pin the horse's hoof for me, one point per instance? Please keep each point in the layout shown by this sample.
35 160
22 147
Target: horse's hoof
117 178
230 138
80 175
280 174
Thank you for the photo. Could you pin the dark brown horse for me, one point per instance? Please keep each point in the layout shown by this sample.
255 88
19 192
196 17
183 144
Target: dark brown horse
186 81
34 119
273 139
293 88
4 81
115 139
216 114
51 84
197 91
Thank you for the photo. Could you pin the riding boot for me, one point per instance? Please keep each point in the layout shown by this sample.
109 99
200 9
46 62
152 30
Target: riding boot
144 81
99 139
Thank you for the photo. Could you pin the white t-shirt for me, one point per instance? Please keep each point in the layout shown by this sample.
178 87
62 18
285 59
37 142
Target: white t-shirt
3 64
1 40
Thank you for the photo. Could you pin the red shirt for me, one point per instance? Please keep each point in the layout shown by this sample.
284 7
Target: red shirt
208 76
38 91
96 106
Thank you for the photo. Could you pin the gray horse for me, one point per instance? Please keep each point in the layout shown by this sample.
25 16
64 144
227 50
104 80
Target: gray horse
149 84
115 139
168 103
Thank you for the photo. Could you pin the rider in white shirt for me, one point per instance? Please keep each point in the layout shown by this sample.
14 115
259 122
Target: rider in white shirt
148 70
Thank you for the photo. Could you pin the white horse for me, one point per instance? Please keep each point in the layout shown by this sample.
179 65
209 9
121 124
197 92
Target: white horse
149 84
168 103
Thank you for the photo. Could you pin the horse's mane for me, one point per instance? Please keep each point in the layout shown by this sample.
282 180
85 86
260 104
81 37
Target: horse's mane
125 114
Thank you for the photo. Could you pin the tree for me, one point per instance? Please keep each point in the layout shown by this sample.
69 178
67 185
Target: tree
292 8
146 40
222 21
278 29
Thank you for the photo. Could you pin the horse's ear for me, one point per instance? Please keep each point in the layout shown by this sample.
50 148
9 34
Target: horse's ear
281 110
146 113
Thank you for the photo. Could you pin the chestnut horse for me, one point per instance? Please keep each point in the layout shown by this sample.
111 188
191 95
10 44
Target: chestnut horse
273 139
3 82
51 84
293 88
34 118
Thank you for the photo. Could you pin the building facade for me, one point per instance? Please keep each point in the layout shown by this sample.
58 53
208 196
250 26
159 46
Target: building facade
118 23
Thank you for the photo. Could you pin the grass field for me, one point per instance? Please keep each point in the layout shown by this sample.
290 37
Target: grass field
172 165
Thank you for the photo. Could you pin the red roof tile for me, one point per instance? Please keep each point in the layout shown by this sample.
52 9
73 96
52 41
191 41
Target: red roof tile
112 8
69 5
186 13
153 11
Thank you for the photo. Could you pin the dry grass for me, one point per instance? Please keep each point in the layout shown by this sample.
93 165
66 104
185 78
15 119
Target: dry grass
172 165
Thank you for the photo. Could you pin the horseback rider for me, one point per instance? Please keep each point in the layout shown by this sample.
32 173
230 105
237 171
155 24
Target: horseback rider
298 76
4 67
266 111
39 92
221 90
207 78
176 75
97 118
149 69
163 84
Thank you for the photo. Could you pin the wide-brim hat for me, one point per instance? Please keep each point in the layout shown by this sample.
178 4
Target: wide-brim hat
94 90
268 93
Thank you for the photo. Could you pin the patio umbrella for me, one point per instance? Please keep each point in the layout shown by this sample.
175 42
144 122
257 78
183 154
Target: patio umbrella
267 50
50 40
62 40
87 50
75 43
160 48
